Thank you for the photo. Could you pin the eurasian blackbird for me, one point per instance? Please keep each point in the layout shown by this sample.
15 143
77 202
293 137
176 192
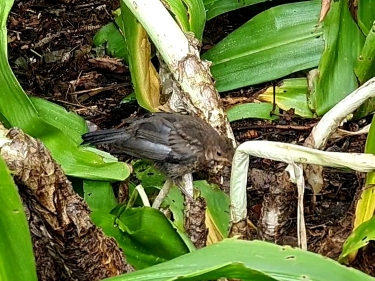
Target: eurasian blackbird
177 144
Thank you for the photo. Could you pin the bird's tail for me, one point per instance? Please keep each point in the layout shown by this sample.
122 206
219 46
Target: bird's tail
104 136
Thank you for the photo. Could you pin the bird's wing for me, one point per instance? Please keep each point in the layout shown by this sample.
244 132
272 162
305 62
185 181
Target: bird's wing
173 136
185 139
191 126
142 140
159 137
148 139
154 138
143 148
155 130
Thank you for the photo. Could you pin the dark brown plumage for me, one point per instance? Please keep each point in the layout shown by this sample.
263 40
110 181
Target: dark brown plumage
177 144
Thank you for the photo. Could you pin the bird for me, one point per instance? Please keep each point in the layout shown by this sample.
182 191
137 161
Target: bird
177 144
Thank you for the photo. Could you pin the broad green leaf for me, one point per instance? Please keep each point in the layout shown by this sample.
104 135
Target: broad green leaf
189 14
113 40
129 98
152 178
370 148
144 234
365 207
16 252
99 196
248 260
251 110
106 157
359 238
292 93
366 15
137 242
343 42
218 7
69 123
107 223
149 176
217 208
365 65
175 201
273 44
152 238
144 76
19 111
101 201
178 10
196 15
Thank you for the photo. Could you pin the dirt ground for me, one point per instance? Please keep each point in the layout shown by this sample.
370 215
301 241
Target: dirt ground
51 53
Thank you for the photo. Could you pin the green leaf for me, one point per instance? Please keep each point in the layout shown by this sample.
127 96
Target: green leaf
218 7
196 15
144 234
364 209
106 157
107 223
149 176
177 8
16 252
153 239
365 66
273 44
359 238
292 93
366 15
189 14
365 69
370 148
251 110
370 141
69 123
129 98
144 76
113 40
217 206
99 196
175 201
336 77
248 260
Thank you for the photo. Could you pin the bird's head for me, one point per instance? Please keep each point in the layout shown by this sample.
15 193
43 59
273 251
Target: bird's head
219 154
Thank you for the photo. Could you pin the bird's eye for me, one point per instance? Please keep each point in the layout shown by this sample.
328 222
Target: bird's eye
218 153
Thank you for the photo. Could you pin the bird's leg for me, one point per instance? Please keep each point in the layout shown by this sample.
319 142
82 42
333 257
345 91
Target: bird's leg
162 194
185 184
